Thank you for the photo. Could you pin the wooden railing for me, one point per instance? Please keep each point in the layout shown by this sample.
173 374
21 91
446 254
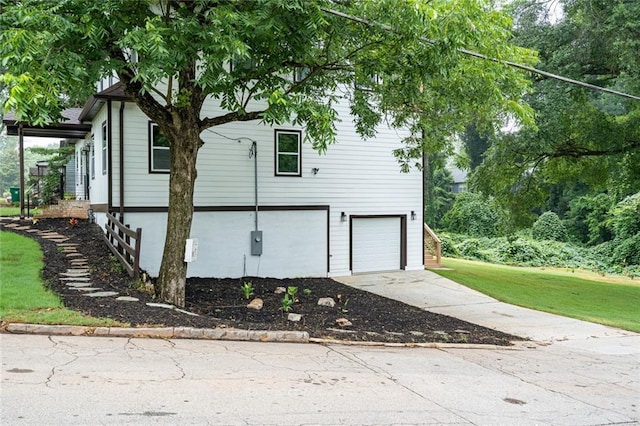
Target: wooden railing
432 249
118 237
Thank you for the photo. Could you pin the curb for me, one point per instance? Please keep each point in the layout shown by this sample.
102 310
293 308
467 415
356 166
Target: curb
232 334
162 332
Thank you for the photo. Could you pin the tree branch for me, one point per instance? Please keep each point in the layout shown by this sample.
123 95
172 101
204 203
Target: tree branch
230 117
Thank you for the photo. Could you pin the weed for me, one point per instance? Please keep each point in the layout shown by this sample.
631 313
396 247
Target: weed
306 291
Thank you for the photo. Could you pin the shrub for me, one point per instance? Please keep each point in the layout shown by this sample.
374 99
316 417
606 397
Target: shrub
470 248
519 252
473 215
587 219
625 217
549 227
627 252
447 246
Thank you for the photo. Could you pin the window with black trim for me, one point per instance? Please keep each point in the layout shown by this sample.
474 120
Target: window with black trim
288 152
104 148
159 152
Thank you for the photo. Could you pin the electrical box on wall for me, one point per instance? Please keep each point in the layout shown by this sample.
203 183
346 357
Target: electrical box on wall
256 243
191 250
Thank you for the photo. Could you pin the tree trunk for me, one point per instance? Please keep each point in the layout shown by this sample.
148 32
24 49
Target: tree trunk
184 140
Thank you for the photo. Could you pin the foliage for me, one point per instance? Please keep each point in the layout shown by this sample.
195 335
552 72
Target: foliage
247 289
549 227
580 135
627 252
54 52
438 183
614 304
50 184
586 220
474 215
625 217
519 252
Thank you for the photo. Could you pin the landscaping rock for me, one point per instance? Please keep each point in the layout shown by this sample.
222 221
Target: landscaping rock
280 290
255 304
343 322
294 317
127 299
326 301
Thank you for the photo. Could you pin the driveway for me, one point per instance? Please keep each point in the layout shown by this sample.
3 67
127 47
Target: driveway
572 373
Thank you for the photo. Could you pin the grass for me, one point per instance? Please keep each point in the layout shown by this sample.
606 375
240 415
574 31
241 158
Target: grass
610 303
23 296
15 211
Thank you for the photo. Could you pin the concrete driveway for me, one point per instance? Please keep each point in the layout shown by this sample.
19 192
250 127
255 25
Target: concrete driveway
573 373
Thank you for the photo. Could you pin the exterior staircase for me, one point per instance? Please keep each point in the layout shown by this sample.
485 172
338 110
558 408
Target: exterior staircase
432 249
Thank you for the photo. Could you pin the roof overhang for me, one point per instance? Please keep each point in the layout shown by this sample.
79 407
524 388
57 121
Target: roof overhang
95 102
69 128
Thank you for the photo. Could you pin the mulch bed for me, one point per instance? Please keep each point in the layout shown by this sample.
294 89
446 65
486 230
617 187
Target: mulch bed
219 302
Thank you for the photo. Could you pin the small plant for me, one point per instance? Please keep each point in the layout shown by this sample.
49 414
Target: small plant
247 289
286 303
344 303
292 291
73 221
306 291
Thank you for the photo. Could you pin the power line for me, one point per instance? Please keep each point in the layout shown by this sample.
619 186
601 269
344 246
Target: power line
487 58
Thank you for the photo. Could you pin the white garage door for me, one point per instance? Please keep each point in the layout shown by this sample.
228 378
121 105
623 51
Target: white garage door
375 244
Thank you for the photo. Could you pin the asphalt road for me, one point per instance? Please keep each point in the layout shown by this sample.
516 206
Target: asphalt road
101 380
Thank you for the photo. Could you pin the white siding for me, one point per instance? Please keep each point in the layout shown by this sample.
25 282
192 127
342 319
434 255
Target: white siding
355 176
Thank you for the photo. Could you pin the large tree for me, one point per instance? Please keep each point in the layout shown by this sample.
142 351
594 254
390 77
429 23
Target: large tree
171 55
584 140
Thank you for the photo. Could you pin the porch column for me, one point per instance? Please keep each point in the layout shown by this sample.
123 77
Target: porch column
21 156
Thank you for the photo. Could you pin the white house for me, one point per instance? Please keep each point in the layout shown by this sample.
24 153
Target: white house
348 211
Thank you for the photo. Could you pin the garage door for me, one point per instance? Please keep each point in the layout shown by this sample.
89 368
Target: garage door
376 244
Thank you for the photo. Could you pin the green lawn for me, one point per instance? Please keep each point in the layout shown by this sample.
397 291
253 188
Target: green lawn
15 211
611 303
23 297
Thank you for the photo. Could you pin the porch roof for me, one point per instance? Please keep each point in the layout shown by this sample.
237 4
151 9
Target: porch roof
69 128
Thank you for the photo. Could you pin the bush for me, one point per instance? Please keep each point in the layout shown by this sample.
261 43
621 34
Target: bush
473 215
625 217
447 246
549 227
627 252
519 252
587 219
470 248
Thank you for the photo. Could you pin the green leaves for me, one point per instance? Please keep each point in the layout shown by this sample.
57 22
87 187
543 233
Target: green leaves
193 44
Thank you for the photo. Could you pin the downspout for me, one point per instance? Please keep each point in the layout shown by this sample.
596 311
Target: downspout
254 153
109 145
121 158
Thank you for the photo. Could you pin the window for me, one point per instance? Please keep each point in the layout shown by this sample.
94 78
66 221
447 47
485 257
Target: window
288 145
301 73
159 153
104 148
92 153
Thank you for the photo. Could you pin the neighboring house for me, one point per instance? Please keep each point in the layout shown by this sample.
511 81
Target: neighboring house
459 180
348 211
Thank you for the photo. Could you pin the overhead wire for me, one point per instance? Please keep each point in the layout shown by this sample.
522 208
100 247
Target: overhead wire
488 58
